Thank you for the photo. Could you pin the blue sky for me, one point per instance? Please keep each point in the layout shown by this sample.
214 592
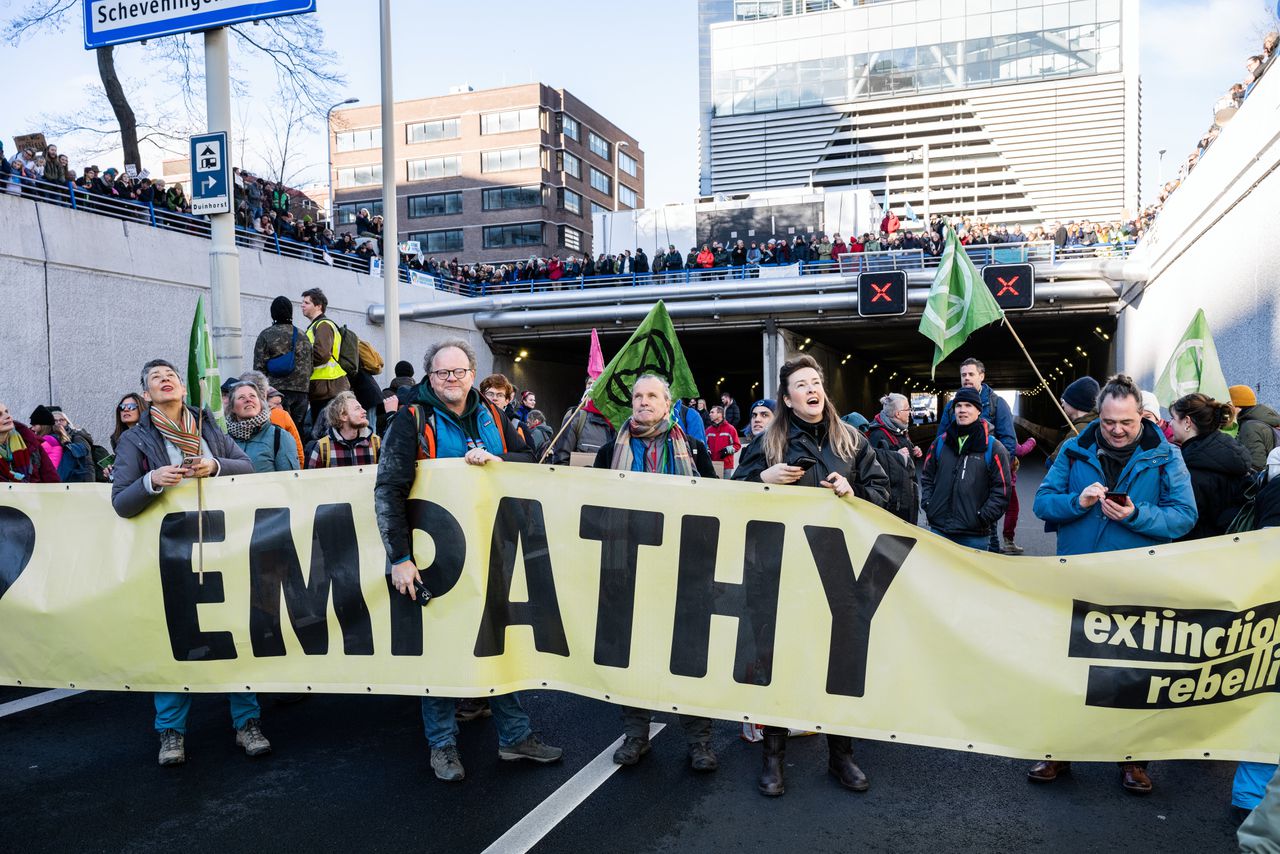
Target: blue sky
641 71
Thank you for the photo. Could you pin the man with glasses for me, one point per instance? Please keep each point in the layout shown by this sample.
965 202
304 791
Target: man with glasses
448 418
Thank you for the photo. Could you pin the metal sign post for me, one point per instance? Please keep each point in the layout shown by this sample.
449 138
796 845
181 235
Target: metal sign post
224 259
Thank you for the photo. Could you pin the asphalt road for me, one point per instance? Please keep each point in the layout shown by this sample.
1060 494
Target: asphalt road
351 773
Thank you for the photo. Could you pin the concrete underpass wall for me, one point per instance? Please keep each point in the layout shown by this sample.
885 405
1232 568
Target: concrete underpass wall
1214 247
86 299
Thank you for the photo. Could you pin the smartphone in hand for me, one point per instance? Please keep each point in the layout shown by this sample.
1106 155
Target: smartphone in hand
1121 498
805 463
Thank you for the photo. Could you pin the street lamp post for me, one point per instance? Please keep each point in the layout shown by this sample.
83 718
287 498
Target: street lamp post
328 139
1160 176
617 151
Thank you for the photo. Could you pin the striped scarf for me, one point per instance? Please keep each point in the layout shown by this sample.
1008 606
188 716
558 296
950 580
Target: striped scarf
666 449
182 436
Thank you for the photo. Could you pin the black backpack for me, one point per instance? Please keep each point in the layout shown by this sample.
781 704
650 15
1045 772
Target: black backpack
1246 518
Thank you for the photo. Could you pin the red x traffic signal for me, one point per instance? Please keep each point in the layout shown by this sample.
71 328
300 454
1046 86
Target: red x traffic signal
1013 285
881 294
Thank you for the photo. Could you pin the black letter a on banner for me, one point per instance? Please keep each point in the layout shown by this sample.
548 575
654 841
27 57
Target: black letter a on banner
519 524
853 602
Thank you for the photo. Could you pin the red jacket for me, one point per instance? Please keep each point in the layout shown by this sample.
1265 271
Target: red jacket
555 270
890 223
723 443
706 258
838 248
31 464
855 246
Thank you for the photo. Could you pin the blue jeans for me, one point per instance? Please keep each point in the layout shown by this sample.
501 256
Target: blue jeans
972 541
442 727
171 710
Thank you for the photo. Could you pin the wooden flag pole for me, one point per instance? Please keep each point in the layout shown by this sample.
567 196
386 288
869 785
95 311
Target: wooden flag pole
565 426
1043 383
200 508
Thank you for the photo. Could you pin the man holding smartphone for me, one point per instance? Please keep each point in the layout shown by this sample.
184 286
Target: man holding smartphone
171 444
1118 485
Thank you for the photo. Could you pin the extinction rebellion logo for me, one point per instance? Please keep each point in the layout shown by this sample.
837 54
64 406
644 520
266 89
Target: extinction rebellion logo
1216 656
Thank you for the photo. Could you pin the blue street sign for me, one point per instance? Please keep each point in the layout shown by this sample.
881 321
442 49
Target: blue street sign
210 173
108 22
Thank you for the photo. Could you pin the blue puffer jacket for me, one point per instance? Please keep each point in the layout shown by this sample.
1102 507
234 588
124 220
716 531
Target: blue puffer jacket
1156 480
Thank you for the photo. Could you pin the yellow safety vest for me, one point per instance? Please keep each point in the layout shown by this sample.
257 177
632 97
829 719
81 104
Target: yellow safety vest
330 370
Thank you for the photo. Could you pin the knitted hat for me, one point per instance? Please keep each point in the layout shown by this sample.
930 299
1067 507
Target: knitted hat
970 396
41 416
281 310
1150 403
1082 394
404 369
1242 396
767 402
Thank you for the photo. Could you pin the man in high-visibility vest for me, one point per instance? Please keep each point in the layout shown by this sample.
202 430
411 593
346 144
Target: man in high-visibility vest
327 377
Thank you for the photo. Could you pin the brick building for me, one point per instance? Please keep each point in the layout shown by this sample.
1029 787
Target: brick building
489 176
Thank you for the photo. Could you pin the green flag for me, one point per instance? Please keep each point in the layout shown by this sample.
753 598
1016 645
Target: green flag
959 302
1193 367
651 349
204 386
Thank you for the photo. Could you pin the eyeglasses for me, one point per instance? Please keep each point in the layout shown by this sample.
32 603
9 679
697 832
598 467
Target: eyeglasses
128 407
455 374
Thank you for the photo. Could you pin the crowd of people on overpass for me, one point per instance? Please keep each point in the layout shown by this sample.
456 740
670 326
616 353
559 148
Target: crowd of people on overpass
1223 110
1125 474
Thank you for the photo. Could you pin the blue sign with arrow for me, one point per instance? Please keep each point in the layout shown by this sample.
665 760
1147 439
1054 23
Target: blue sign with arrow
210 173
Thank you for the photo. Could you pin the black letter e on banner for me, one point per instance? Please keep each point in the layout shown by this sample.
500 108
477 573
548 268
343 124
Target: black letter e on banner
182 589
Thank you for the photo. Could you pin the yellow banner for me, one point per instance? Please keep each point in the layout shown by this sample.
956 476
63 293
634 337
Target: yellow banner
736 601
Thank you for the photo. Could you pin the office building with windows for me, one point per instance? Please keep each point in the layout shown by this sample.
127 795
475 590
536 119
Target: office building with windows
1008 110
489 176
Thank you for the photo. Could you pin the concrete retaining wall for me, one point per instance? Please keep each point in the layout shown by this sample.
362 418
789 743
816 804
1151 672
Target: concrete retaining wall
86 299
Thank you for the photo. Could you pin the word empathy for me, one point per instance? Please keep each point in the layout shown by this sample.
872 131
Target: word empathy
737 601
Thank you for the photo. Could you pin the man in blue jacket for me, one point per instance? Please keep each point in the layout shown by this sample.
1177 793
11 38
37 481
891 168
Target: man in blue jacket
1118 485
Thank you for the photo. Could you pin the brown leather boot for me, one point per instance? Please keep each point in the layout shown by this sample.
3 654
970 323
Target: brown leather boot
775 755
1134 779
1047 770
840 763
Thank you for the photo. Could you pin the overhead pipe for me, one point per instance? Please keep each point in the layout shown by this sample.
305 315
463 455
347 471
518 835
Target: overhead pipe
674 294
804 303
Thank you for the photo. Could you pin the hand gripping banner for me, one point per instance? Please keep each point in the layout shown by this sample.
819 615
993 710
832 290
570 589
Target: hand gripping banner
736 601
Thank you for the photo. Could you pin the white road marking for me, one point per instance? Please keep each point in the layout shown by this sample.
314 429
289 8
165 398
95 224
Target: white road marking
528 831
36 700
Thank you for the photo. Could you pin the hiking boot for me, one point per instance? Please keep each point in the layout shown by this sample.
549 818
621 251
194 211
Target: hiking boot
530 748
447 764
775 756
250 737
471 709
702 757
173 747
1011 548
630 751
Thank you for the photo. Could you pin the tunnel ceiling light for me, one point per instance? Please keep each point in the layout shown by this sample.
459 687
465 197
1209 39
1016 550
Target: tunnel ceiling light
518 358
524 354
807 340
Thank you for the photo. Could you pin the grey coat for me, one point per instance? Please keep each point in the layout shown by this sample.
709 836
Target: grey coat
142 449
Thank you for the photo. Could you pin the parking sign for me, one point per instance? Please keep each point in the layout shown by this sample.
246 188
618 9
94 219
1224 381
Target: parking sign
210 174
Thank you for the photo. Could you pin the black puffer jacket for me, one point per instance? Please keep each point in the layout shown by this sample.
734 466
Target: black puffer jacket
904 492
1219 468
963 493
864 473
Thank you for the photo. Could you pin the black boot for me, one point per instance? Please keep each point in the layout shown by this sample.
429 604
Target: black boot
840 763
775 754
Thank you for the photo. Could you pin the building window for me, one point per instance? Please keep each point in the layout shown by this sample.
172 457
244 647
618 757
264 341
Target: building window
433 131
358 140
627 196
449 240
569 164
360 176
627 163
511 120
569 127
436 204
597 145
570 201
601 181
510 159
345 212
509 236
504 198
599 209
570 238
435 167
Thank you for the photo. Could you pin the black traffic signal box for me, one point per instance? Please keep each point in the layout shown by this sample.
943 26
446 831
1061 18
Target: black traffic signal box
881 294
1013 285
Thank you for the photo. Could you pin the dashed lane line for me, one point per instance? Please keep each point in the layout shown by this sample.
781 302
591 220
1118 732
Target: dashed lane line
36 700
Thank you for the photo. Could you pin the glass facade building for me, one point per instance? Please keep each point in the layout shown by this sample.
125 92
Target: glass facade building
787 81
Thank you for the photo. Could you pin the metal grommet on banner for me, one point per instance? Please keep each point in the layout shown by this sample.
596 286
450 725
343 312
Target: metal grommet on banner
1062 560
817 729
971 747
544 684
308 687
620 474
606 696
369 688
72 685
127 688
1151 551
427 690
1235 539
745 718
491 690
893 736
186 687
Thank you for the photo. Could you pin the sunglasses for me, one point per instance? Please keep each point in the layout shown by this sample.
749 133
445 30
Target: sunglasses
128 407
